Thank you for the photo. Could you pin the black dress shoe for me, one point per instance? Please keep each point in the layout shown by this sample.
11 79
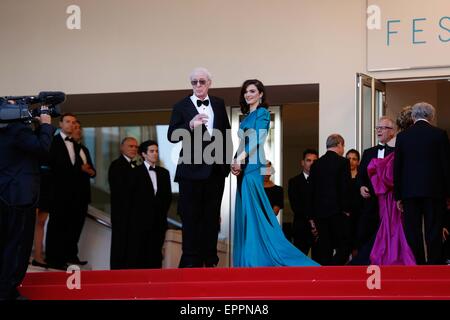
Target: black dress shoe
39 264
77 261
57 266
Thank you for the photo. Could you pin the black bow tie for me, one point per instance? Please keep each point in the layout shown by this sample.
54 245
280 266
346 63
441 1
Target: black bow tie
69 139
381 147
200 102
133 163
151 168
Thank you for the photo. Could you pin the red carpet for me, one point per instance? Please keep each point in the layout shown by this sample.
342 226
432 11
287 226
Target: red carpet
419 282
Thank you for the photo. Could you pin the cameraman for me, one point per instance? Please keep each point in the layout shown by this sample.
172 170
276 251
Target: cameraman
21 149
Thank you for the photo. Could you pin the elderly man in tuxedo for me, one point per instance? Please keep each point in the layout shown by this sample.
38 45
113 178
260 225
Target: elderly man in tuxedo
119 174
201 182
369 220
422 183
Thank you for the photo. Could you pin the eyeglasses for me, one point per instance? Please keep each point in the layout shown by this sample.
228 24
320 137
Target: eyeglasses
201 82
382 128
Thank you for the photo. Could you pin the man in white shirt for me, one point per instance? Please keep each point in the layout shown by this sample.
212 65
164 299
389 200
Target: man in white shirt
201 182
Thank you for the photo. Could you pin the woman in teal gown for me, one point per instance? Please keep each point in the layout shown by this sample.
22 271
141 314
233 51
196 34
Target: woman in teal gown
258 238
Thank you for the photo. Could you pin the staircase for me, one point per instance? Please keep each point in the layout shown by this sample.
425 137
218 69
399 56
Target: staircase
281 283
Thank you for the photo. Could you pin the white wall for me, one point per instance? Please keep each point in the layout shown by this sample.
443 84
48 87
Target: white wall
143 45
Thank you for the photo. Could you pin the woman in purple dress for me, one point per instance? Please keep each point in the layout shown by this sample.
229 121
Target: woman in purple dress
390 247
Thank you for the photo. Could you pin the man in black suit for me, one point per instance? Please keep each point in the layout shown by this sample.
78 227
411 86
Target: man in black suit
370 218
67 205
330 189
299 191
422 182
119 177
21 151
150 198
201 180
88 172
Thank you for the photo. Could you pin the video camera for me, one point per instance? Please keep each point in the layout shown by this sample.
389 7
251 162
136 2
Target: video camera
20 110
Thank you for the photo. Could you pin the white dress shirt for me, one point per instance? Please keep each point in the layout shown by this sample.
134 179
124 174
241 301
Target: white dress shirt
206 110
305 175
70 147
381 152
152 175
83 156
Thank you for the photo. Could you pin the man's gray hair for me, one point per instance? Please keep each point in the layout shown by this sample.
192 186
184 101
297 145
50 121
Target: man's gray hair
126 139
423 110
333 140
200 70
387 119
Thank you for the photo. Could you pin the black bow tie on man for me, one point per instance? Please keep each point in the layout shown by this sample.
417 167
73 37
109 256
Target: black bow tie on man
200 102
151 168
382 147
69 139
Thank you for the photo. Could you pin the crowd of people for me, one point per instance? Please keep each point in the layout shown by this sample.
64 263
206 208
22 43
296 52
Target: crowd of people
388 207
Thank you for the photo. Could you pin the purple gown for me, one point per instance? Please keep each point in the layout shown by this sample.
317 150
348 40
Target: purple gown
390 247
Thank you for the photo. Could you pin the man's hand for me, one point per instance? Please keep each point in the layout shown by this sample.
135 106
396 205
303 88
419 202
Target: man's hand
45 118
444 234
198 120
400 205
314 230
235 168
364 192
88 169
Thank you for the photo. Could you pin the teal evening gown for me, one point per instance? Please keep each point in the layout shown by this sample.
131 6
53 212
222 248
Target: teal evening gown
258 238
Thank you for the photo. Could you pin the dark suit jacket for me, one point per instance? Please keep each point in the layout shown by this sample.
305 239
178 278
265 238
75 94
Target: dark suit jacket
362 177
119 177
67 178
422 160
182 114
148 220
21 150
298 192
86 178
119 174
330 185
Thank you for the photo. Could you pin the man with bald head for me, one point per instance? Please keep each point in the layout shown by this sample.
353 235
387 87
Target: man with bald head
201 182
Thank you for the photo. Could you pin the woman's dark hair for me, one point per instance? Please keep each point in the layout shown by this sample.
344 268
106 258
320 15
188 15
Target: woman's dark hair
354 151
245 108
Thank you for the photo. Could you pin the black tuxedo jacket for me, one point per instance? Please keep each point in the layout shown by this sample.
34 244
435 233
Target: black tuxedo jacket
119 174
182 114
148 220
422 162
20 152
67 178
330 185
362 178
298 193
119 177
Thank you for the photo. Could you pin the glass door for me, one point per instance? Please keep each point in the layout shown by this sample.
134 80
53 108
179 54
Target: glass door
370 105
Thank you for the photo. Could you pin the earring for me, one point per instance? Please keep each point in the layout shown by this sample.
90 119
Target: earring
260 100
